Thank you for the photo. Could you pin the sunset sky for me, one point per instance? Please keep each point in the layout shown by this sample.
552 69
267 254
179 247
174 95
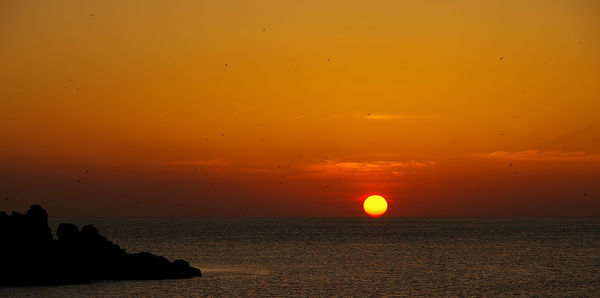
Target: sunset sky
300 108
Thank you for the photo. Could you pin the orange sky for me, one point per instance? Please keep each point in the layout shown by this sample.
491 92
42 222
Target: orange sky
300 108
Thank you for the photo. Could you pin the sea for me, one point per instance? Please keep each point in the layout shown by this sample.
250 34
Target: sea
357 257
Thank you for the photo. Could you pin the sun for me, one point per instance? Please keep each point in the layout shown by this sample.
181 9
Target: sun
375 205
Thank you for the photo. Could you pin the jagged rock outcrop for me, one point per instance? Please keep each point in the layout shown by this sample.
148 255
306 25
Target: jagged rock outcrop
30 256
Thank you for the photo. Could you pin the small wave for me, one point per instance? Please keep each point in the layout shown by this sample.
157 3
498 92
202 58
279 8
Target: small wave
239 270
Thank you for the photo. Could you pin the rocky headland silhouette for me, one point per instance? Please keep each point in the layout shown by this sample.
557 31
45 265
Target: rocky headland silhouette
30 256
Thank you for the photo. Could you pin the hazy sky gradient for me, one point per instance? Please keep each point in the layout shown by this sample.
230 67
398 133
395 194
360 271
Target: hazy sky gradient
300 108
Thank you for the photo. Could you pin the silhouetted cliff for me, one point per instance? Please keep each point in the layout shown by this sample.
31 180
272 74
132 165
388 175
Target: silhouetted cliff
30 256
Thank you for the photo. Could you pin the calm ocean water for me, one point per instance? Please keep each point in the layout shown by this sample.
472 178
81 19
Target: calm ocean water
356 257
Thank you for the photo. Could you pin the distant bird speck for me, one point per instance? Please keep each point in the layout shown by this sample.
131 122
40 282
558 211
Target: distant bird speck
279 166
501 58
91 14
328 59
585 194
368 114
327 186
222 134
21 92
264 29
226 64
510 164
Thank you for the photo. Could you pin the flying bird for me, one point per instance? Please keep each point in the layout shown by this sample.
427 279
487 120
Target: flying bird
501 58
91 14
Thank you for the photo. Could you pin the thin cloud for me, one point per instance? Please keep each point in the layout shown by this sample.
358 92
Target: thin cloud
536 155
222 165
372 168
203 162
258 170
375 116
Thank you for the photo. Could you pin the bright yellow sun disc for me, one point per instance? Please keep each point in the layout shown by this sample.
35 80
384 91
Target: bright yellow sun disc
375 205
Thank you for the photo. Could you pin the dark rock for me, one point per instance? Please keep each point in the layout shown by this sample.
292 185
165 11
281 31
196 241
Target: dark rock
67 232
38 215
30 256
